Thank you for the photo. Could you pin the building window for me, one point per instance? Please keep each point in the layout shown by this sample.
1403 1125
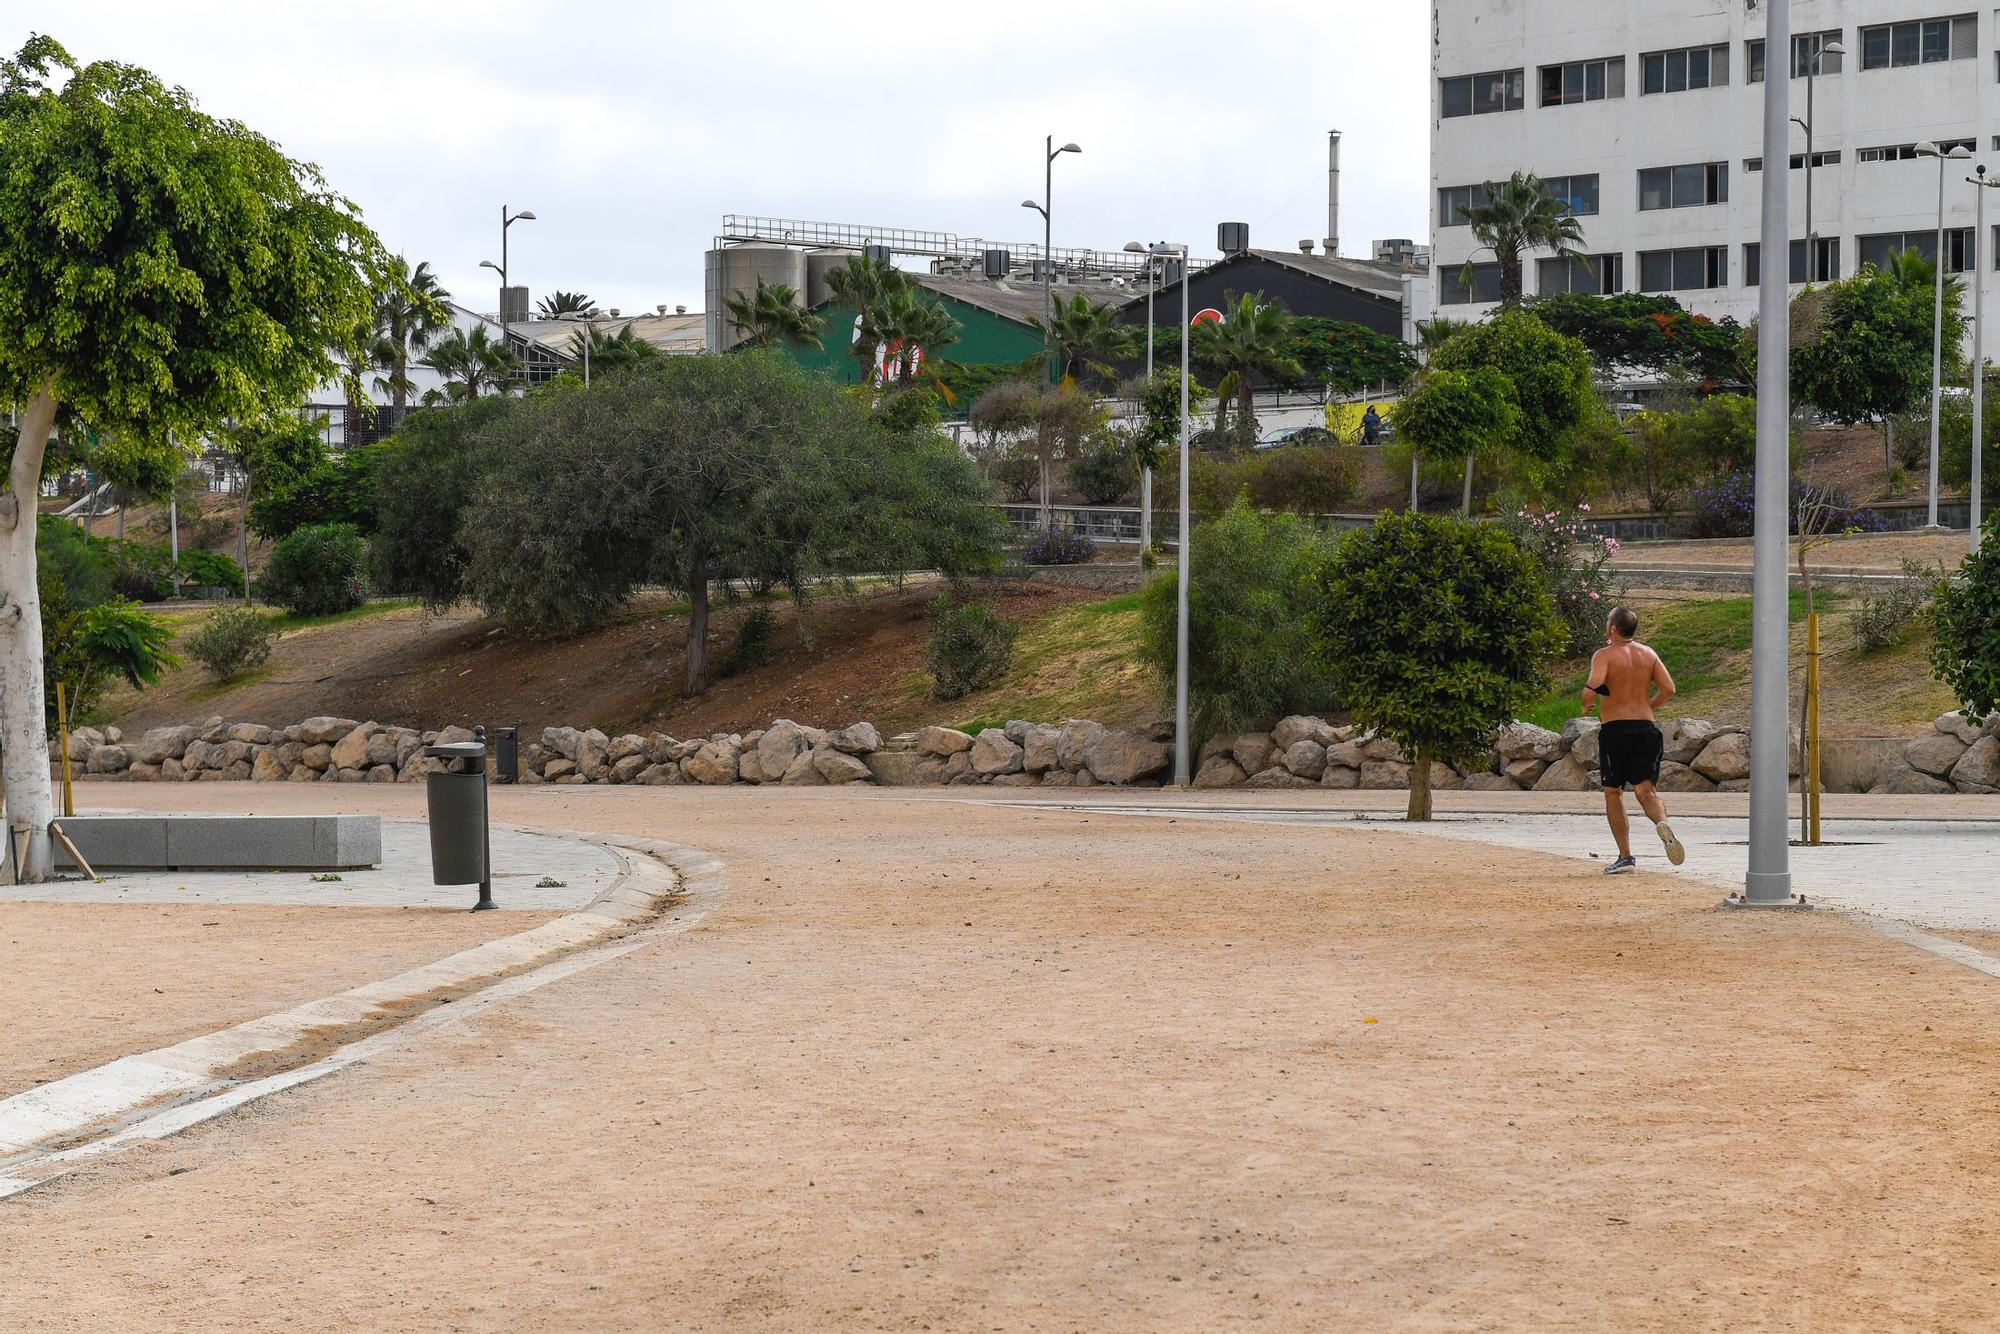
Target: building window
1578 194
1485 286
1828 267
1689 186
1881 249
1830 158
1480 94
1583 81
1926 42
1686 270
1804 47
1593 275
1453 200
1908 152
1679 71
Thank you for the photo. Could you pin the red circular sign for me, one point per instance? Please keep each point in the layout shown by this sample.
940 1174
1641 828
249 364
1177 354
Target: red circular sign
1209 316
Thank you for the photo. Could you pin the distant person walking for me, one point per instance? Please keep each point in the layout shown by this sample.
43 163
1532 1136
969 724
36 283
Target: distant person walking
1371 427
1629 681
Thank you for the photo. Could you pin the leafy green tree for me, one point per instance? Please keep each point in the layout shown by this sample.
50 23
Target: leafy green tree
318 570
1965 620
1250 622
90 647
164 272
1252 339
1459 415
1103 471
1553 391
1646 332
1435 630
773 315
1520 216
471 364
559 303
424 476
1064 417
1861 348
280 450
1346 358
139 472
338 487
410 313
1086 337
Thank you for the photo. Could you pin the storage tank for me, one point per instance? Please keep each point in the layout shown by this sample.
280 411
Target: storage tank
819 264
737 268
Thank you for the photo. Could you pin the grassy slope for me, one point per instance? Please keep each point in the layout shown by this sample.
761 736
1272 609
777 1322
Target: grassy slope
1075 663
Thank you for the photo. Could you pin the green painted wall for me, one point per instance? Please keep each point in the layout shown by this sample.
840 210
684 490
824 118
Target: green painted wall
984 339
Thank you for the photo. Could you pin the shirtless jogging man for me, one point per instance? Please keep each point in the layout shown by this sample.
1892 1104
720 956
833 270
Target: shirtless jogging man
1630 681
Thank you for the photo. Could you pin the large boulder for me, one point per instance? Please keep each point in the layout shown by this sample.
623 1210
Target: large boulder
351 751
323 730
454 735
1685 738
1041 749
778 747
1680 778
856 739
1934 754
1219 771
1078 735
1567 775
318 757
1957 724
1340 776
1725 759
801 772
1123 757
628 767
109 760
624 746
1290 731
1345 754
1490 782
1381 748
1979 767
1525 771
894 768
255 733
714 765
266 767
592 752
1280 778
160 744
1253 751
943 742
1384 775
195 757
1525 741
839 768
1899 778
559 740
1579 739
380 748
1444 778
1305 758
994 754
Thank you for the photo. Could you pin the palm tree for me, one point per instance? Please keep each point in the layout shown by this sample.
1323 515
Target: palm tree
558 304
1086 336
470 363
772 315
863 283
1250 341
1520 215
409 312
611 354
908 323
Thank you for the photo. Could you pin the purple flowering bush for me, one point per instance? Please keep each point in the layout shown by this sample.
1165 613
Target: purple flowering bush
1576 568
1727 507
1059 546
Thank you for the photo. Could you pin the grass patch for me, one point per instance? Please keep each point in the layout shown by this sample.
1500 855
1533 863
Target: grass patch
209 690
283 620
1080 662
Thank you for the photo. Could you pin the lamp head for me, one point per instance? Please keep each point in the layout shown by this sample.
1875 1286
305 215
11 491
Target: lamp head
1833 48
1927 149
524 216
489 264
1069 148
1960 153
1133 247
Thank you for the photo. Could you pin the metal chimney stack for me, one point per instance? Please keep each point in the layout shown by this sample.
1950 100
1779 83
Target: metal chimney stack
1333 193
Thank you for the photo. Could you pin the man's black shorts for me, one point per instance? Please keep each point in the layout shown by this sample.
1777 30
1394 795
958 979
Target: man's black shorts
1629 752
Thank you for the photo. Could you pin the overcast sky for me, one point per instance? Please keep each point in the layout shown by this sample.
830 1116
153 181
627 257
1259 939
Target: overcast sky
630 128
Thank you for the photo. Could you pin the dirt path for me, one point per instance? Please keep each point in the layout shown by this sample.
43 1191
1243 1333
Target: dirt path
961 1066
1874 553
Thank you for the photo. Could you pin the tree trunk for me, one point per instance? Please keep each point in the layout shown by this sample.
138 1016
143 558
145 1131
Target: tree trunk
1246 411
1465 504
24 724
1048 507
1413 480
1420 786
399 392
1888 446
120 499
1510 279
697 645
243 534
1145 509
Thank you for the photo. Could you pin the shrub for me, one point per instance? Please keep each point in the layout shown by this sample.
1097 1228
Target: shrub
84 648
1882 621
970 648
1303 481
230 642
82 566
1103 472
318 570
1575 568
1965 617
1017 475
1249 622
141 571
210 569
753 642
1728 508
1059 546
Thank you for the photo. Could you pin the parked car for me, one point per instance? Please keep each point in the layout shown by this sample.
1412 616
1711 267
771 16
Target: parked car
1298 435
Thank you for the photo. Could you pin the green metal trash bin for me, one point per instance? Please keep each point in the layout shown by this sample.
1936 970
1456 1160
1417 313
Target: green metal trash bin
461 851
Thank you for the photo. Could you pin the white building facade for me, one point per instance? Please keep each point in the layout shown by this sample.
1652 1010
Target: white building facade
1646 116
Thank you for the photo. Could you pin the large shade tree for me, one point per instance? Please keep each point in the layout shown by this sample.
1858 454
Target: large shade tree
1519 215
161 272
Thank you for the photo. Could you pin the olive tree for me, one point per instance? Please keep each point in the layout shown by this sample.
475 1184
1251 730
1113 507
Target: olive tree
1435 631
161 272
1965 655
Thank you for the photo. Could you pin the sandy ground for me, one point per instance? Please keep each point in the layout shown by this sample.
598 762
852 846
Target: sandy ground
1874 553
962 1066
86 983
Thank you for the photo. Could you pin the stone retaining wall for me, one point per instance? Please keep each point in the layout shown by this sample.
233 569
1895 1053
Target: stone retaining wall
1299 752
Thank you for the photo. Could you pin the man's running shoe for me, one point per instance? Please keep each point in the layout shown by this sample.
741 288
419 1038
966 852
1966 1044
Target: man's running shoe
1623 866
1675 852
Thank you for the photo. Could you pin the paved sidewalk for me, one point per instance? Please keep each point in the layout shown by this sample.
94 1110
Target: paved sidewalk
403 880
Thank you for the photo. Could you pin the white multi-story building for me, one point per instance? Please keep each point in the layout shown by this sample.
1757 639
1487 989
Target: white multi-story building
1647 117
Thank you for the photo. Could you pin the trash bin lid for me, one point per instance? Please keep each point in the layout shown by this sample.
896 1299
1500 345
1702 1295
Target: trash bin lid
456 750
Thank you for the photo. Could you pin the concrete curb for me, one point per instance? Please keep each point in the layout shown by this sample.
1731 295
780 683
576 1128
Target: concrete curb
214 1068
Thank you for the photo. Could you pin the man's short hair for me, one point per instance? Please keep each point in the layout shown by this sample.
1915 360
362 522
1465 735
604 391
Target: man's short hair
1625 621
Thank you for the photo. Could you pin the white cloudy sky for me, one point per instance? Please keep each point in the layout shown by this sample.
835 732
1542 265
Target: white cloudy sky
630 127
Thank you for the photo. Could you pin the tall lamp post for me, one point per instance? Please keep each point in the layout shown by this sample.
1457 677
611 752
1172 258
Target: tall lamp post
1960 154
1146 474
1978 353
585 318
1183 769
1048 244
1819 53
1768 880
506 220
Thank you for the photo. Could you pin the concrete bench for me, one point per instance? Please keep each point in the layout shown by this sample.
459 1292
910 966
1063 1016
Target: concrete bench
223 842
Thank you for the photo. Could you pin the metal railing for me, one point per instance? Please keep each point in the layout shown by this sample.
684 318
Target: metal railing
910 241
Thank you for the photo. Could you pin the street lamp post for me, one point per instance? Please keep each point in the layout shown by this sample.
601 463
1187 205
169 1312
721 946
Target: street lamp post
1812 74
1183 768
1978 353
584 317
1045 208
1146 474
1929 149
